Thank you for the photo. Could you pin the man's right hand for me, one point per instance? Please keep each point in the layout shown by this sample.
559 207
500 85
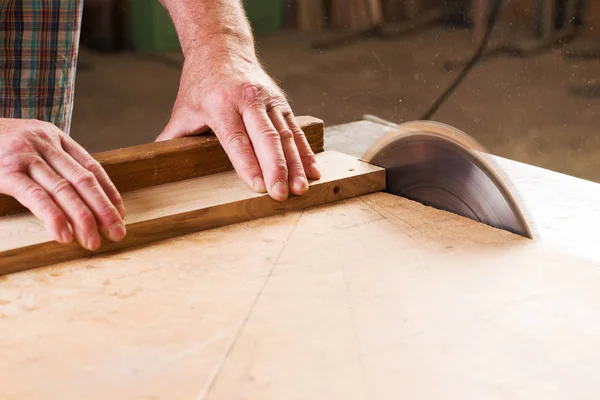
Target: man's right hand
59 182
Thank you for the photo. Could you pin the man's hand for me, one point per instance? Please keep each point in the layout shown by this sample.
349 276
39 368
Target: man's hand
223 87
59 182
252 119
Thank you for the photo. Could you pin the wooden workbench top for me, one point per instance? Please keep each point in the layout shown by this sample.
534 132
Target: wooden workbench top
374 297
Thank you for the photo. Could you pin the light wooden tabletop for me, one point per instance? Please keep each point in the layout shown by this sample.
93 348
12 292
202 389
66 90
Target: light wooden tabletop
374 297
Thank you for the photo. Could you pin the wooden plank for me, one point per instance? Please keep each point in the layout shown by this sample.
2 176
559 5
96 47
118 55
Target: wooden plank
152 164
178 208
379 298
374 297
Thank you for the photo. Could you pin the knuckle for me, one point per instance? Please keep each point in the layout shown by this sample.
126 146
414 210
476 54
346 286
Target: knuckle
16 143
43 130
108 212
109 216
286 111
60 188
236 140
93 166
42 134
279 167
252 92
12 163
84 178
308 159
280 104
271 135
35 193
295 166
33 162
298 132
286 134
85 217
55 218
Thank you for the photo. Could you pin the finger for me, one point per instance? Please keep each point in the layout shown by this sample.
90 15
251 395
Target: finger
89 190
39 202
269 151
80 155
234 139
81 217
309 161
297 176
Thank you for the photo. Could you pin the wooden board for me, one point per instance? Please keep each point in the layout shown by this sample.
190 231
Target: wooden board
374 297
183 207
152 164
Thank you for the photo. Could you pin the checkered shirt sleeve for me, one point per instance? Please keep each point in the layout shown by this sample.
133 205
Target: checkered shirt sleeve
39 44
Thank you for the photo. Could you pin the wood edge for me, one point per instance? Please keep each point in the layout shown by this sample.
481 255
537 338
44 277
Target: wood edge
146 151
144 156
163 228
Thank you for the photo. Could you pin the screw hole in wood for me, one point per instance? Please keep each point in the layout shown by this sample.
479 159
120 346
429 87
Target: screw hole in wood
336 190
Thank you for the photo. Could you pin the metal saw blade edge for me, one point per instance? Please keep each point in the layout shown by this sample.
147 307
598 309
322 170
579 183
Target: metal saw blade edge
440 166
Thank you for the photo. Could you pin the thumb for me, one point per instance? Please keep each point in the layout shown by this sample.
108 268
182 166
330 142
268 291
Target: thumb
181 125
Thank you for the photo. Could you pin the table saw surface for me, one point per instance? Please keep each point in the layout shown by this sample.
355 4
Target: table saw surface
375 297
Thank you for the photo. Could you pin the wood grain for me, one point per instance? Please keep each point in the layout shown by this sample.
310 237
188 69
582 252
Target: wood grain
373 297
183 207
152 164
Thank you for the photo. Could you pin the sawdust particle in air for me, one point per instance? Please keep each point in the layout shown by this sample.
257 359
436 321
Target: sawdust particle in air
4 302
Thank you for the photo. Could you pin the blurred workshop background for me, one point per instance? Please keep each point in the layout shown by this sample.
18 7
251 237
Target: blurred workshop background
533 95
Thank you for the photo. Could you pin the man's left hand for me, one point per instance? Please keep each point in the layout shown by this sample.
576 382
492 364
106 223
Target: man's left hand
249 114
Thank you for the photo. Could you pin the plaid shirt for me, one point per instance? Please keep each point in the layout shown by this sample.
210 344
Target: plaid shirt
39 43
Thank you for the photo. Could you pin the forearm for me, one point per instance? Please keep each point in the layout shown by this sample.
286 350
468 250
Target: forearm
209 28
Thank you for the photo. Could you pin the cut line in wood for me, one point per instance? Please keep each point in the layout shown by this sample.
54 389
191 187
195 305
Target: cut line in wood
184 207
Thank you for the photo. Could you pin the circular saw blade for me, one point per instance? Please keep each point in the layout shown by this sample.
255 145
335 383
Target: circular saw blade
442 167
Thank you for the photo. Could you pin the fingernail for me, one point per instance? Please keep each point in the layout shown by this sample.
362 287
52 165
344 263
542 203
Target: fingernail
280 189
93 242
66 236
116 232
300 185
314 171
259 185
